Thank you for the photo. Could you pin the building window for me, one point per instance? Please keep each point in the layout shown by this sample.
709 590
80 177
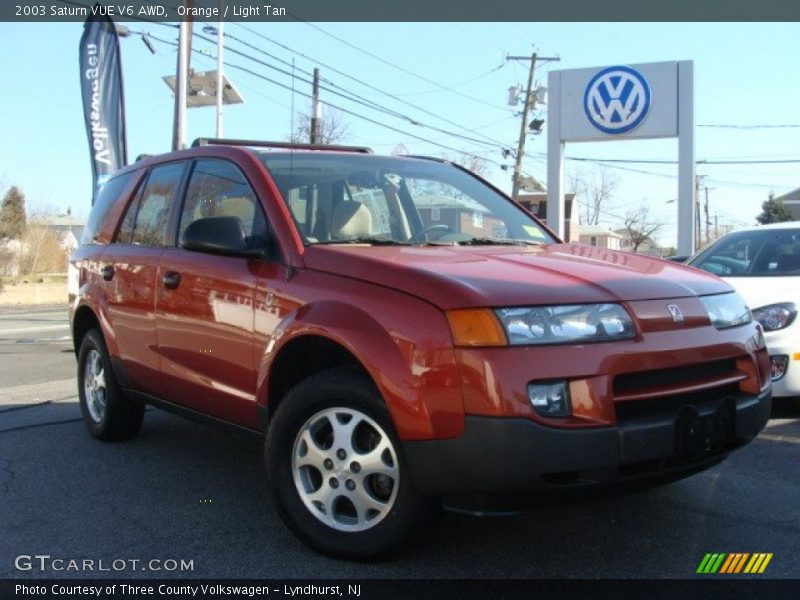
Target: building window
593 240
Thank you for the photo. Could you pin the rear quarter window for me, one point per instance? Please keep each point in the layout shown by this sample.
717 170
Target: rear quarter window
109 195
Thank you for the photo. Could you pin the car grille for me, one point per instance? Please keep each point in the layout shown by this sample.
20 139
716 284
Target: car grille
663 383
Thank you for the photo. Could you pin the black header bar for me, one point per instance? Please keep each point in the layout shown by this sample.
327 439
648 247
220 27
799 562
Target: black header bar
405 10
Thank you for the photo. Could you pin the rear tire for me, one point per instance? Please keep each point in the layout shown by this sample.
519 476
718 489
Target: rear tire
338 476
107 413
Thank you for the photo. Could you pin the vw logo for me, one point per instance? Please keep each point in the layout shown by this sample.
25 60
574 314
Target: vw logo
617 100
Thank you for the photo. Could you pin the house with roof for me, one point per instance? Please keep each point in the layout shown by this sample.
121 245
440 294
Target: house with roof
69 230
647 246
602 237
536 204
792 202
459 214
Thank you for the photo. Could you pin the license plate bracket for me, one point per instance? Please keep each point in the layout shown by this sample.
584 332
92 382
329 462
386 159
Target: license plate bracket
703 431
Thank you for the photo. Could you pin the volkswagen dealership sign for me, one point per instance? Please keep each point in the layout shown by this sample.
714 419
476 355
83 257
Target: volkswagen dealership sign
617 100
623 102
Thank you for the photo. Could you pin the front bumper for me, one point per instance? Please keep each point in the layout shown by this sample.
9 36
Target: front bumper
497 455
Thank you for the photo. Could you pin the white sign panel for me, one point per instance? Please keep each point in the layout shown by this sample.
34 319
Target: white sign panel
622 102
619 102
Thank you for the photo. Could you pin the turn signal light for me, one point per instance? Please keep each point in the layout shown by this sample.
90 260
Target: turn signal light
476 327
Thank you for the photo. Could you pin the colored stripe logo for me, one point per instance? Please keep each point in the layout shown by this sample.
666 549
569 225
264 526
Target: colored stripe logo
734 562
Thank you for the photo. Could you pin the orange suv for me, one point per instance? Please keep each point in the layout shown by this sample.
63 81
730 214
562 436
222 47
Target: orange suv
400 332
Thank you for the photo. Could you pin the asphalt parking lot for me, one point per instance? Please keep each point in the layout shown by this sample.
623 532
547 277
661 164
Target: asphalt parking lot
183 491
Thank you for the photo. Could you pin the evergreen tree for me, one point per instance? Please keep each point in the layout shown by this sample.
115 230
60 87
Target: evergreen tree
774 211
12 214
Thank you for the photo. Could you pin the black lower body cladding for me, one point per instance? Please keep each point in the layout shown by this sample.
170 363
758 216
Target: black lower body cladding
516 455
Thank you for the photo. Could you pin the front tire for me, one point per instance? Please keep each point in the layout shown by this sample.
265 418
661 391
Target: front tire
337 473
107 413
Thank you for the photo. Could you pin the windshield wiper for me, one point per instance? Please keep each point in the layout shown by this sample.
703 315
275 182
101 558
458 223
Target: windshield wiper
374 241
476 241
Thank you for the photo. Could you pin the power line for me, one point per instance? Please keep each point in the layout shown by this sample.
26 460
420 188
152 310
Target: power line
672 176
346 95
642 161
364 83
461 84
353 97
344 110
395 66
779 126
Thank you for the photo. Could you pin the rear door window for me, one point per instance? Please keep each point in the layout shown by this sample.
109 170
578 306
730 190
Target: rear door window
152 218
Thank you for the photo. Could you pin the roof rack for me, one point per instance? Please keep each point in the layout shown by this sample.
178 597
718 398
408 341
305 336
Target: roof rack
424 157
287 145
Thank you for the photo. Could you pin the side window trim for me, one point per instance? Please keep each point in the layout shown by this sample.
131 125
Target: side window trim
183 190
177 204
136 201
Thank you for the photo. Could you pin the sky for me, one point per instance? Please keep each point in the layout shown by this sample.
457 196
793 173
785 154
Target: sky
456 75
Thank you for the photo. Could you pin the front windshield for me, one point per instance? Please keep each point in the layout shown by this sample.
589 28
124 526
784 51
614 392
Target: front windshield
759 253
361 198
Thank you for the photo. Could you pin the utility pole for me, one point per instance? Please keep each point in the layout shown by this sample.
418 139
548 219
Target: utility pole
708 222
528 101
182 81
220 76
316 109
697 225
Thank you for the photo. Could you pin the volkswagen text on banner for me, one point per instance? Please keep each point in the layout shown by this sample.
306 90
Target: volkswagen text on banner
103 98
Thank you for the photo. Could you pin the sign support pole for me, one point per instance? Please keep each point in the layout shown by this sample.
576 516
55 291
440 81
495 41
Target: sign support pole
555 158
686 163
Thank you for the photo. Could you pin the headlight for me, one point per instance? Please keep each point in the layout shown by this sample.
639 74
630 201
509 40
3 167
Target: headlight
566 324
775 316
726 310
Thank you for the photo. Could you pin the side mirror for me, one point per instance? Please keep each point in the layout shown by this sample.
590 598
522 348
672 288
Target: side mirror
219 235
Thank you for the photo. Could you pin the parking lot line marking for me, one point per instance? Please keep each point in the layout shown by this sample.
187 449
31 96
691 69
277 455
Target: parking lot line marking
779 438
15 316
32 329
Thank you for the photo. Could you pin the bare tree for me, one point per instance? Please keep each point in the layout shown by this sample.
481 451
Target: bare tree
476 164
42 250
332 128
641 226
596 193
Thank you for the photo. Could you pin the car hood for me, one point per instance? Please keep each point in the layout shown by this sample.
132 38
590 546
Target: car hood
473 276
761 291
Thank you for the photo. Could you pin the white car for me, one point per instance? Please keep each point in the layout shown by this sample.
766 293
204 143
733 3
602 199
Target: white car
763 264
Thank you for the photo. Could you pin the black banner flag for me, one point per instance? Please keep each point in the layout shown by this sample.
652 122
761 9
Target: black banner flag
103 98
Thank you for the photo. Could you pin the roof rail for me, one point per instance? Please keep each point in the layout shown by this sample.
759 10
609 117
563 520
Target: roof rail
287 145
424 157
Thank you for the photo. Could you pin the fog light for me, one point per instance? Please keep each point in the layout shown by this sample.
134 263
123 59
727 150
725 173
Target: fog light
778 365
550 399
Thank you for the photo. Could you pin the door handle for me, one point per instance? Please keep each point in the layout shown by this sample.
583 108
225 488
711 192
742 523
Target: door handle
107 272
172 280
